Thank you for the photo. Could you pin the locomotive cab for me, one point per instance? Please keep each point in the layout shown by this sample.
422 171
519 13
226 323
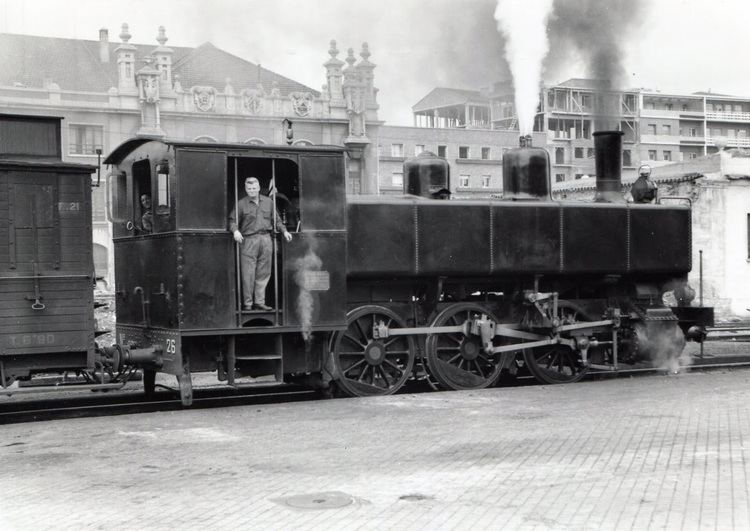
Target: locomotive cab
179 280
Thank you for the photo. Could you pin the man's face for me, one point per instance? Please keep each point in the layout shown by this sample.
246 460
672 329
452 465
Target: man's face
252 189
146 201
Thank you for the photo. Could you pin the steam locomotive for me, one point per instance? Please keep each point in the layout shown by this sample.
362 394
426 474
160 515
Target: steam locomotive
372 290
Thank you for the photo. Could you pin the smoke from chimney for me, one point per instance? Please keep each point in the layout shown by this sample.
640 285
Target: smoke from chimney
595 31
524 26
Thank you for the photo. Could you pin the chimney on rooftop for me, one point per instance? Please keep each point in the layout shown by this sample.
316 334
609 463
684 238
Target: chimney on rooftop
104 45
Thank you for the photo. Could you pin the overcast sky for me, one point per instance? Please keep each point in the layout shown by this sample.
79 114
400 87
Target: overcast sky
670 45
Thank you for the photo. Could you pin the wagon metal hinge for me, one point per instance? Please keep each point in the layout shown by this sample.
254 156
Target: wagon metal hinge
37 298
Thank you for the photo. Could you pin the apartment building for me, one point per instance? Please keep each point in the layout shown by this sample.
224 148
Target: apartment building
657 128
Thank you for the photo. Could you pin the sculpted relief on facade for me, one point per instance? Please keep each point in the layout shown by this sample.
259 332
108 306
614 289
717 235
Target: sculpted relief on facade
204 98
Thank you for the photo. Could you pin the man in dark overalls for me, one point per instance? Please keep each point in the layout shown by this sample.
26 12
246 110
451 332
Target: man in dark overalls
643 189
252 226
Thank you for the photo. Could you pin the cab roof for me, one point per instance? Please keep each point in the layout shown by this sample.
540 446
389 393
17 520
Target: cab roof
127 147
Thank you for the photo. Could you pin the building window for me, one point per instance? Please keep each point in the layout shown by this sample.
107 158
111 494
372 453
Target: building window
579 175
684 107
666 129
419 148
559 177
668 106
380 150
485 153
626 157
589 153
397 179
651 154
667 155
559 155
207 139
693 156
693 131
463 152
651 129
441 151
578 153
85 139
463 181
649 105
486 181
397 150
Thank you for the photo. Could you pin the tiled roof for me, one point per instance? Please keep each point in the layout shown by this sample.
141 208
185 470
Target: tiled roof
669 173
445 97
74 64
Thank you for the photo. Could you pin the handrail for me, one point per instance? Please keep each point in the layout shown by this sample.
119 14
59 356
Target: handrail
274 244
238 301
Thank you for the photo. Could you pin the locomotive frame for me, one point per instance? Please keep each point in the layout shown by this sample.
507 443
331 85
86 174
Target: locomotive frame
463 289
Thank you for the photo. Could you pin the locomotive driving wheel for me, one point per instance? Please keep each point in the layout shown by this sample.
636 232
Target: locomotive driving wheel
557 364
366 366
458 361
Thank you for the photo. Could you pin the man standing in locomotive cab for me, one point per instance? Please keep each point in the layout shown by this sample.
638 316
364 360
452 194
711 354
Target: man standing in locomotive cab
643 189
251 226
147 218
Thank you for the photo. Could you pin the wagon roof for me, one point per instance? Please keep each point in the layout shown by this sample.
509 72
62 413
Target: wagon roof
127 147
52 164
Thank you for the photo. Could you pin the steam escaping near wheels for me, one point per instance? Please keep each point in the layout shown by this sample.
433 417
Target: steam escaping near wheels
663 343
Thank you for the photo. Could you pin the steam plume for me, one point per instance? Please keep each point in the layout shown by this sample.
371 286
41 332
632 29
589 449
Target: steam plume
306 300
524 25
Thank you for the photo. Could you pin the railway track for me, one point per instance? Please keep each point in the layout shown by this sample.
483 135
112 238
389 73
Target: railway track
132 401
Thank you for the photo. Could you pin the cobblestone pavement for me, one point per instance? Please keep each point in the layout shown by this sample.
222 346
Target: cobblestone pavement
659 452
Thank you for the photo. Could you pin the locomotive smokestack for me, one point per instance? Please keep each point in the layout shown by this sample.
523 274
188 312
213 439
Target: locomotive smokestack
608 153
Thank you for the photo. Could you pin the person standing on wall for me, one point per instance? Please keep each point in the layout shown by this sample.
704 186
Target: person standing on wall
252 226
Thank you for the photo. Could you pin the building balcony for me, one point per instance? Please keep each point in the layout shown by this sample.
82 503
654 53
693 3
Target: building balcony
728 141
661 139
672 115
725 116
699 139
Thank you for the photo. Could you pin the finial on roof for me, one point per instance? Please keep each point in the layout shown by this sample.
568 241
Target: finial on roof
365 53
350 57
125 34
333 51
162 38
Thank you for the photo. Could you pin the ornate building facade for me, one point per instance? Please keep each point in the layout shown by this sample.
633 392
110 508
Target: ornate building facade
108 92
